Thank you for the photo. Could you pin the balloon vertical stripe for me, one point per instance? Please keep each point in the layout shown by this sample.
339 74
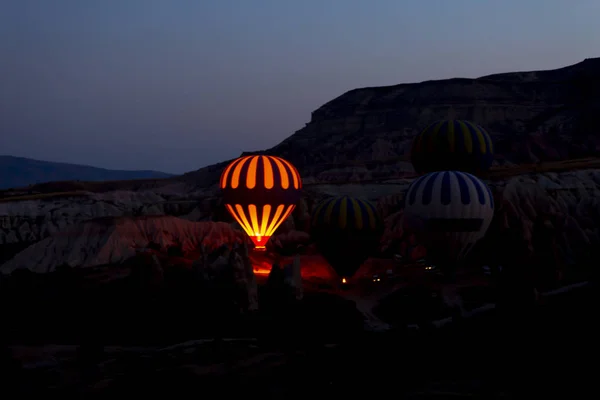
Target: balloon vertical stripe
347 213
452 145
260 192
451 209
346 231
266 172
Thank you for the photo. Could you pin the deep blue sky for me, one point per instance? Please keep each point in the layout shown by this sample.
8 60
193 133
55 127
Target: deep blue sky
174 85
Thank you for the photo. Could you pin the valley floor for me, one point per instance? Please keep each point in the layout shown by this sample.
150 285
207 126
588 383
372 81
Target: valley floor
549 351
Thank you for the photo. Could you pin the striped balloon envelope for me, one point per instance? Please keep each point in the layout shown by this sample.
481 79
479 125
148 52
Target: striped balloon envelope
452 145
450 211
260 192
347 231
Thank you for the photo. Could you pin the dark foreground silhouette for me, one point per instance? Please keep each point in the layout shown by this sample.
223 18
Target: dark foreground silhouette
119 337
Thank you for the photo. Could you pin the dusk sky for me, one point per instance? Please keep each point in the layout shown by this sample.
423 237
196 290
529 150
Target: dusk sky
174 85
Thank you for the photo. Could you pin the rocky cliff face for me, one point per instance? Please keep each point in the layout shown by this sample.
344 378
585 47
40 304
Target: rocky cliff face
532 116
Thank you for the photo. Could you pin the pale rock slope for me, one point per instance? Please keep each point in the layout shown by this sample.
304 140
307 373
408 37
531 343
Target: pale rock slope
573 198
33 220
114 240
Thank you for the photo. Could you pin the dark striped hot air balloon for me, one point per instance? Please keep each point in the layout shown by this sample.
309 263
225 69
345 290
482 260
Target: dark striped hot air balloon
452 145
346 230
260 192
450 211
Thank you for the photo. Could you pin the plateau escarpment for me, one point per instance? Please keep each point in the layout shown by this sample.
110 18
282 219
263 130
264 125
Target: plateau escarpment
532 116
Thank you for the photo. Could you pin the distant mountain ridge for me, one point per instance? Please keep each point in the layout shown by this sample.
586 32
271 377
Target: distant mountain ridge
19 172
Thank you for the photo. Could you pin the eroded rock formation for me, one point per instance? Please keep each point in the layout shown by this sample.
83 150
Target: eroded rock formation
112 240
359 139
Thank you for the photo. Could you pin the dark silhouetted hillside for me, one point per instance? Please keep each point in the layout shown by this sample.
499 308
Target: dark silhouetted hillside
19 172
536 116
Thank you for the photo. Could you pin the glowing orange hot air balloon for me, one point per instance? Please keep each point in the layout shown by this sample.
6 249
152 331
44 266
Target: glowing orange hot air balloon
260 192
